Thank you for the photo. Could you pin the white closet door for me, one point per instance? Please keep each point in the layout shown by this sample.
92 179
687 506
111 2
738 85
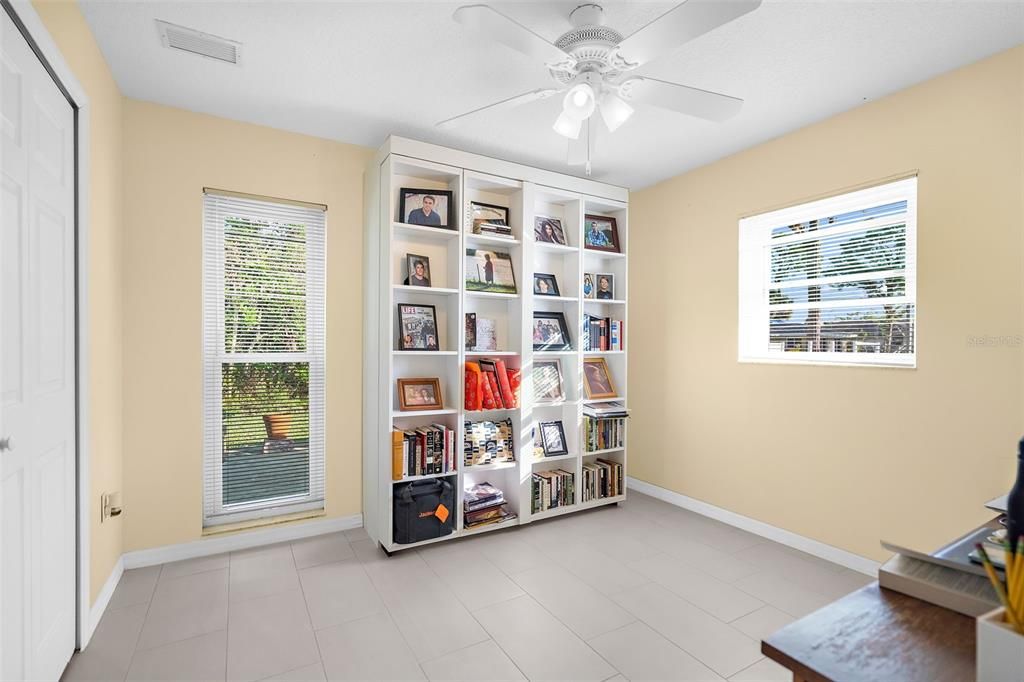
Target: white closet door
37 373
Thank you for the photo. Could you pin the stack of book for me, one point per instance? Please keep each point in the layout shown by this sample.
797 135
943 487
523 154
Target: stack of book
603 333
603 433
491 386
483 505
553 489
422 451
494 229
602 478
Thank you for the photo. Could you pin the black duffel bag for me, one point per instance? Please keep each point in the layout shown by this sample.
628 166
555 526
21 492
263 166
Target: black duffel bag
423 510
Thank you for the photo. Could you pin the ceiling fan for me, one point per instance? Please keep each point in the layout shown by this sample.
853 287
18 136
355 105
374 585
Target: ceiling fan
591 65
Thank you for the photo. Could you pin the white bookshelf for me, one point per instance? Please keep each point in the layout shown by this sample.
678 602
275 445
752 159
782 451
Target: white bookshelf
526 192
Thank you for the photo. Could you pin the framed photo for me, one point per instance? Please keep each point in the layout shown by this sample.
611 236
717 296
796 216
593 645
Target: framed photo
487 214
545 285
417 327
418 270
550 332
589 286
601 233
552 439
547 381
604 286
597 379
419 394
429 207
548 230
470 331
490 271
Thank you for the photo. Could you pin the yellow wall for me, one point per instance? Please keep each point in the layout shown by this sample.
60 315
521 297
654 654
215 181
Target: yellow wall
877 452
169 156
67 26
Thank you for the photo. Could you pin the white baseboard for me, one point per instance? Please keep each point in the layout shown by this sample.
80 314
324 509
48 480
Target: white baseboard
850 560
99 607
229 542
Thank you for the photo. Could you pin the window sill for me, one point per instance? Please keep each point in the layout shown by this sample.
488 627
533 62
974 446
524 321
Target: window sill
264 522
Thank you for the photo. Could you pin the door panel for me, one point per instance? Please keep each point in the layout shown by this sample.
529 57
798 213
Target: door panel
37 383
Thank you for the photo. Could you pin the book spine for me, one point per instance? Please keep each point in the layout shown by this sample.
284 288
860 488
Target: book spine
396 455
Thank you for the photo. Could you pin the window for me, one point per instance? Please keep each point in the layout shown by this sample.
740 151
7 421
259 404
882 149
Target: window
832 281
263 358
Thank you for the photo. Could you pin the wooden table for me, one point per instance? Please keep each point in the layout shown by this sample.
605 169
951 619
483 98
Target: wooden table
876 635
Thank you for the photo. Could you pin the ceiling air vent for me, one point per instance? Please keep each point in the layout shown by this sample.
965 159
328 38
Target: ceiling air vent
197 42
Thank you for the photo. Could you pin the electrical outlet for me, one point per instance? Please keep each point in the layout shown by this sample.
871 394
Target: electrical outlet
110 505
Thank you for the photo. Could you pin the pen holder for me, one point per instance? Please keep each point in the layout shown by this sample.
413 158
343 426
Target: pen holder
1000 648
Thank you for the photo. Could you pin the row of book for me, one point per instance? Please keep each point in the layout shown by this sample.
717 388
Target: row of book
603 433
483 505
556 488
601 478
603 333
422 451
494 229
491 386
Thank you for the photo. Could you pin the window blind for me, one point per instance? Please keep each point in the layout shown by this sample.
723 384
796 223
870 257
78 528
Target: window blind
832 281
263 358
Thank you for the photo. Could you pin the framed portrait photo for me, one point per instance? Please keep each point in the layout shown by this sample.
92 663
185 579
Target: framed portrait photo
601 233
545 284
597 380
547 381
490 271
552 439
487 215
427 207
550 331
548 230
417 327
419 394
589 286
604 286
417 270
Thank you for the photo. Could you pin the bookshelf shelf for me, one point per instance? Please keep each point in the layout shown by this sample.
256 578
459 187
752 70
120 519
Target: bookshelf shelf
556 458
604 352
424 291
424 477
395 414
601 501
488 239
526 193
554 248
407 231
620 398
490 294
591 453
496 466
425 353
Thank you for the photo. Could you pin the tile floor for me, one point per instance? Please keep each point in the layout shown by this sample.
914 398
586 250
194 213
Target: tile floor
643 591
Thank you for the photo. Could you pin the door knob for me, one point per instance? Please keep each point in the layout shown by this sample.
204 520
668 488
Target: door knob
6 444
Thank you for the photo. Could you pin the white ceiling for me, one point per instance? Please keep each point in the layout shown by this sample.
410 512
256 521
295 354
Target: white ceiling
358 71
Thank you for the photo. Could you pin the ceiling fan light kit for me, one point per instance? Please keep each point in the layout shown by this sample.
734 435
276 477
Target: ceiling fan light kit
591 65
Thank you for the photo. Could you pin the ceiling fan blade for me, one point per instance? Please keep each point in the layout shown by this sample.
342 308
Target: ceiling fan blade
498 27
682 98
679 25
515 101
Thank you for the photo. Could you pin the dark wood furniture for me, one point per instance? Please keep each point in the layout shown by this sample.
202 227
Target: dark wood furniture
875 635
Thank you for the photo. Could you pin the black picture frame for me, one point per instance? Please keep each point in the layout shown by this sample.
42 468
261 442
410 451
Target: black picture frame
550 281
474 207
552 439
542 338
417 327
602 226
407 197
410 264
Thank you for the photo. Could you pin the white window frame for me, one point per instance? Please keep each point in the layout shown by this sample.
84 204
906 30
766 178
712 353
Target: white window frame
214 356
755 242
